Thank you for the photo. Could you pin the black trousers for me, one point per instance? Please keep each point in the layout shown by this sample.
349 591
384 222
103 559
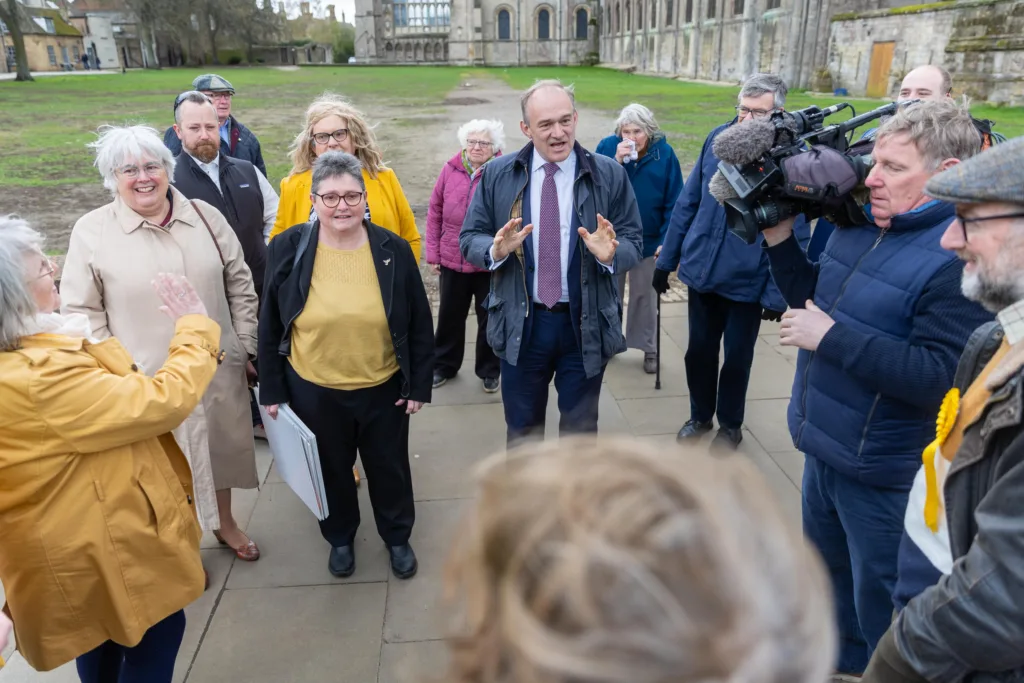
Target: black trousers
713 317
151 661
367 421
457 292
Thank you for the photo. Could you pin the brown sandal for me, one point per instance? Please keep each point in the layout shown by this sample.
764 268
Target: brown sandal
250 552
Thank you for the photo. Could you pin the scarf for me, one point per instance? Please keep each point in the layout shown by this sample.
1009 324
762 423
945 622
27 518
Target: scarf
71 325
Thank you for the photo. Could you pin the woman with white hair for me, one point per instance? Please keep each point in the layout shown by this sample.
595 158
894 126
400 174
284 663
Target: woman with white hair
99 546
460 281
640 146
116 250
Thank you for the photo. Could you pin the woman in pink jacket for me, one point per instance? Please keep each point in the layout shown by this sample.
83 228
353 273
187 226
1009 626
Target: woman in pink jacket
481 141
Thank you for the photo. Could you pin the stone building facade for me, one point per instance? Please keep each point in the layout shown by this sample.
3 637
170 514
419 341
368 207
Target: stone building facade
981 42
51 44
476 32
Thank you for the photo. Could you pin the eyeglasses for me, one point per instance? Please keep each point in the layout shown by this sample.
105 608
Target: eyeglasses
332 199
742 111
51 270
965 221
219 95
152 170
339 136
478 143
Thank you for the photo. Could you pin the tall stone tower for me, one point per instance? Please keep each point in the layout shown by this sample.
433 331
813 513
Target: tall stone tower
367 20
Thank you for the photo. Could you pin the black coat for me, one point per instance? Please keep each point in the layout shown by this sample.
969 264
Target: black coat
401 288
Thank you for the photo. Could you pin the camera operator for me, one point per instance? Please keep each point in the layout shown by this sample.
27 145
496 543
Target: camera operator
881 323
928 82
730 288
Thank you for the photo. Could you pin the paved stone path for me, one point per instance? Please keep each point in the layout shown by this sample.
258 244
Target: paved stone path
285 618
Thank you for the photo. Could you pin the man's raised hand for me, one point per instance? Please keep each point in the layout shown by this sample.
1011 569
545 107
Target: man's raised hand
508 239
601 243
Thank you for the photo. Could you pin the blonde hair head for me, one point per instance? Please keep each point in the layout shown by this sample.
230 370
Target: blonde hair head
303 152
613 561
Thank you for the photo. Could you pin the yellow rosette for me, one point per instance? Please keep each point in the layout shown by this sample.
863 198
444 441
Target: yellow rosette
943 426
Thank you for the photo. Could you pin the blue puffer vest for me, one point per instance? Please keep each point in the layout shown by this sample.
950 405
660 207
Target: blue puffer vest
871 281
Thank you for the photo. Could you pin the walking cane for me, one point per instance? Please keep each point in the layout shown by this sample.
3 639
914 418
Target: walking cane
657 348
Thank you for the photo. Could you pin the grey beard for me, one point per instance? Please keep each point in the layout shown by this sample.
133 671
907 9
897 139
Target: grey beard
993 296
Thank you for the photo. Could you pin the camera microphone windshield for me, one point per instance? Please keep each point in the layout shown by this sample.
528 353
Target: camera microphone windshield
720 188
743 143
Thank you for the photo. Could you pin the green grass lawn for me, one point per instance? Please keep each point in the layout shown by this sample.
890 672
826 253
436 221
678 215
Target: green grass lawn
44 126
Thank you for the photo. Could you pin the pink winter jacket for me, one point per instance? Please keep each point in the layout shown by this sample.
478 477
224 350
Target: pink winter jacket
448 204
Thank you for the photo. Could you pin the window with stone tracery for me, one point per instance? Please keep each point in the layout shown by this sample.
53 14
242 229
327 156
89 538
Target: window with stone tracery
421 16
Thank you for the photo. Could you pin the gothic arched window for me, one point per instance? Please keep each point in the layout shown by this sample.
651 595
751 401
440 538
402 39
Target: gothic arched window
544 25
504 25
581 24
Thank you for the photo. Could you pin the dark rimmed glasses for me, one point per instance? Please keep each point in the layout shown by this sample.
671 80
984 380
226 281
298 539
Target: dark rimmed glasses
339 136
332 199
964 220
742 111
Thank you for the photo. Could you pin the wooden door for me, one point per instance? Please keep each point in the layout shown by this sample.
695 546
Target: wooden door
881 65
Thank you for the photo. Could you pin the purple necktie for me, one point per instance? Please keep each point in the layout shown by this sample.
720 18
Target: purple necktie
549 243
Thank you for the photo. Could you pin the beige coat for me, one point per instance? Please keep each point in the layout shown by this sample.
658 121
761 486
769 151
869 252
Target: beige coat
98 538
112 260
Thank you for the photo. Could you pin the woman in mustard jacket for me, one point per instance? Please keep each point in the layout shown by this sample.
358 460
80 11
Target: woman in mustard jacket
332 124
99 541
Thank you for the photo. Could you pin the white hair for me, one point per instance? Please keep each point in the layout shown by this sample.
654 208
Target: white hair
118 146
638 115
17 307
493 127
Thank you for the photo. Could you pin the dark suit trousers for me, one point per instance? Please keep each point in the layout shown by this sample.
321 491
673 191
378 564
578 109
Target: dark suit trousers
367 421
551 352
458 290
713 317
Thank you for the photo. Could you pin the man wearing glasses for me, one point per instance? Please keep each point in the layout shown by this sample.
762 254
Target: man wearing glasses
965 522
235 139
880 323
730 289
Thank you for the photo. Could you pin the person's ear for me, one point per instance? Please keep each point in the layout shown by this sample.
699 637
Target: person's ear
525 128
947 163
177 131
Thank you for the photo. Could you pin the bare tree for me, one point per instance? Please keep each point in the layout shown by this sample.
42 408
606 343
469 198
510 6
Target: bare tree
252 23
150 15
10 15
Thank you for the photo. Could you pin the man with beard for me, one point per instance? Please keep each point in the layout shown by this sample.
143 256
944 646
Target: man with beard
235 187
236 141
964 520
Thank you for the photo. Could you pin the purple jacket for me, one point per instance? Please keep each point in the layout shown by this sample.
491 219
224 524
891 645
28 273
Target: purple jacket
448 204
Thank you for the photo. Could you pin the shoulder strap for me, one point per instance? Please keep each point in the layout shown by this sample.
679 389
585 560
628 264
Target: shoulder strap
209 230
980 347
307 232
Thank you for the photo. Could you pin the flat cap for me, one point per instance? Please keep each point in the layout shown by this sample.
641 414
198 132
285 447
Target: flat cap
212 83
995 175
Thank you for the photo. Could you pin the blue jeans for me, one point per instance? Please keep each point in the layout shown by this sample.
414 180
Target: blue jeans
151 661
551 351
857 529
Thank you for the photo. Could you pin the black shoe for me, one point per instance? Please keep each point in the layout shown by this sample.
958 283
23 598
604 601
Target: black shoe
729 437
403 561
342 561
491 385
693 429
439 380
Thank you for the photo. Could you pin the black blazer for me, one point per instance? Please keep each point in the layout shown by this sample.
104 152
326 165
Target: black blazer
401 288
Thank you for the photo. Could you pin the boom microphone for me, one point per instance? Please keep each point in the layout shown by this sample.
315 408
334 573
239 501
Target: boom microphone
720 189
740 144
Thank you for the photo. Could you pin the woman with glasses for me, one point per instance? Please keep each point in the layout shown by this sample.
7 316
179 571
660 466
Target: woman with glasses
347 341
653 169
99 548
332 124
460 281
116 251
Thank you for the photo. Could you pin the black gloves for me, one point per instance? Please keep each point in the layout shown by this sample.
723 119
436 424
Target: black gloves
660 281
769 314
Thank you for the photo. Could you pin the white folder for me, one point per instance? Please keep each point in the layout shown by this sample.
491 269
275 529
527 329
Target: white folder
296 457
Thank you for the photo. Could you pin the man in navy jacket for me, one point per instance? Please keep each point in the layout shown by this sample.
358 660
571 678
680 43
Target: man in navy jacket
730 288
880 322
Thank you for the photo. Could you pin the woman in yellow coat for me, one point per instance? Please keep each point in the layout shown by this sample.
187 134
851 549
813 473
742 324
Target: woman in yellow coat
99 541
332 124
